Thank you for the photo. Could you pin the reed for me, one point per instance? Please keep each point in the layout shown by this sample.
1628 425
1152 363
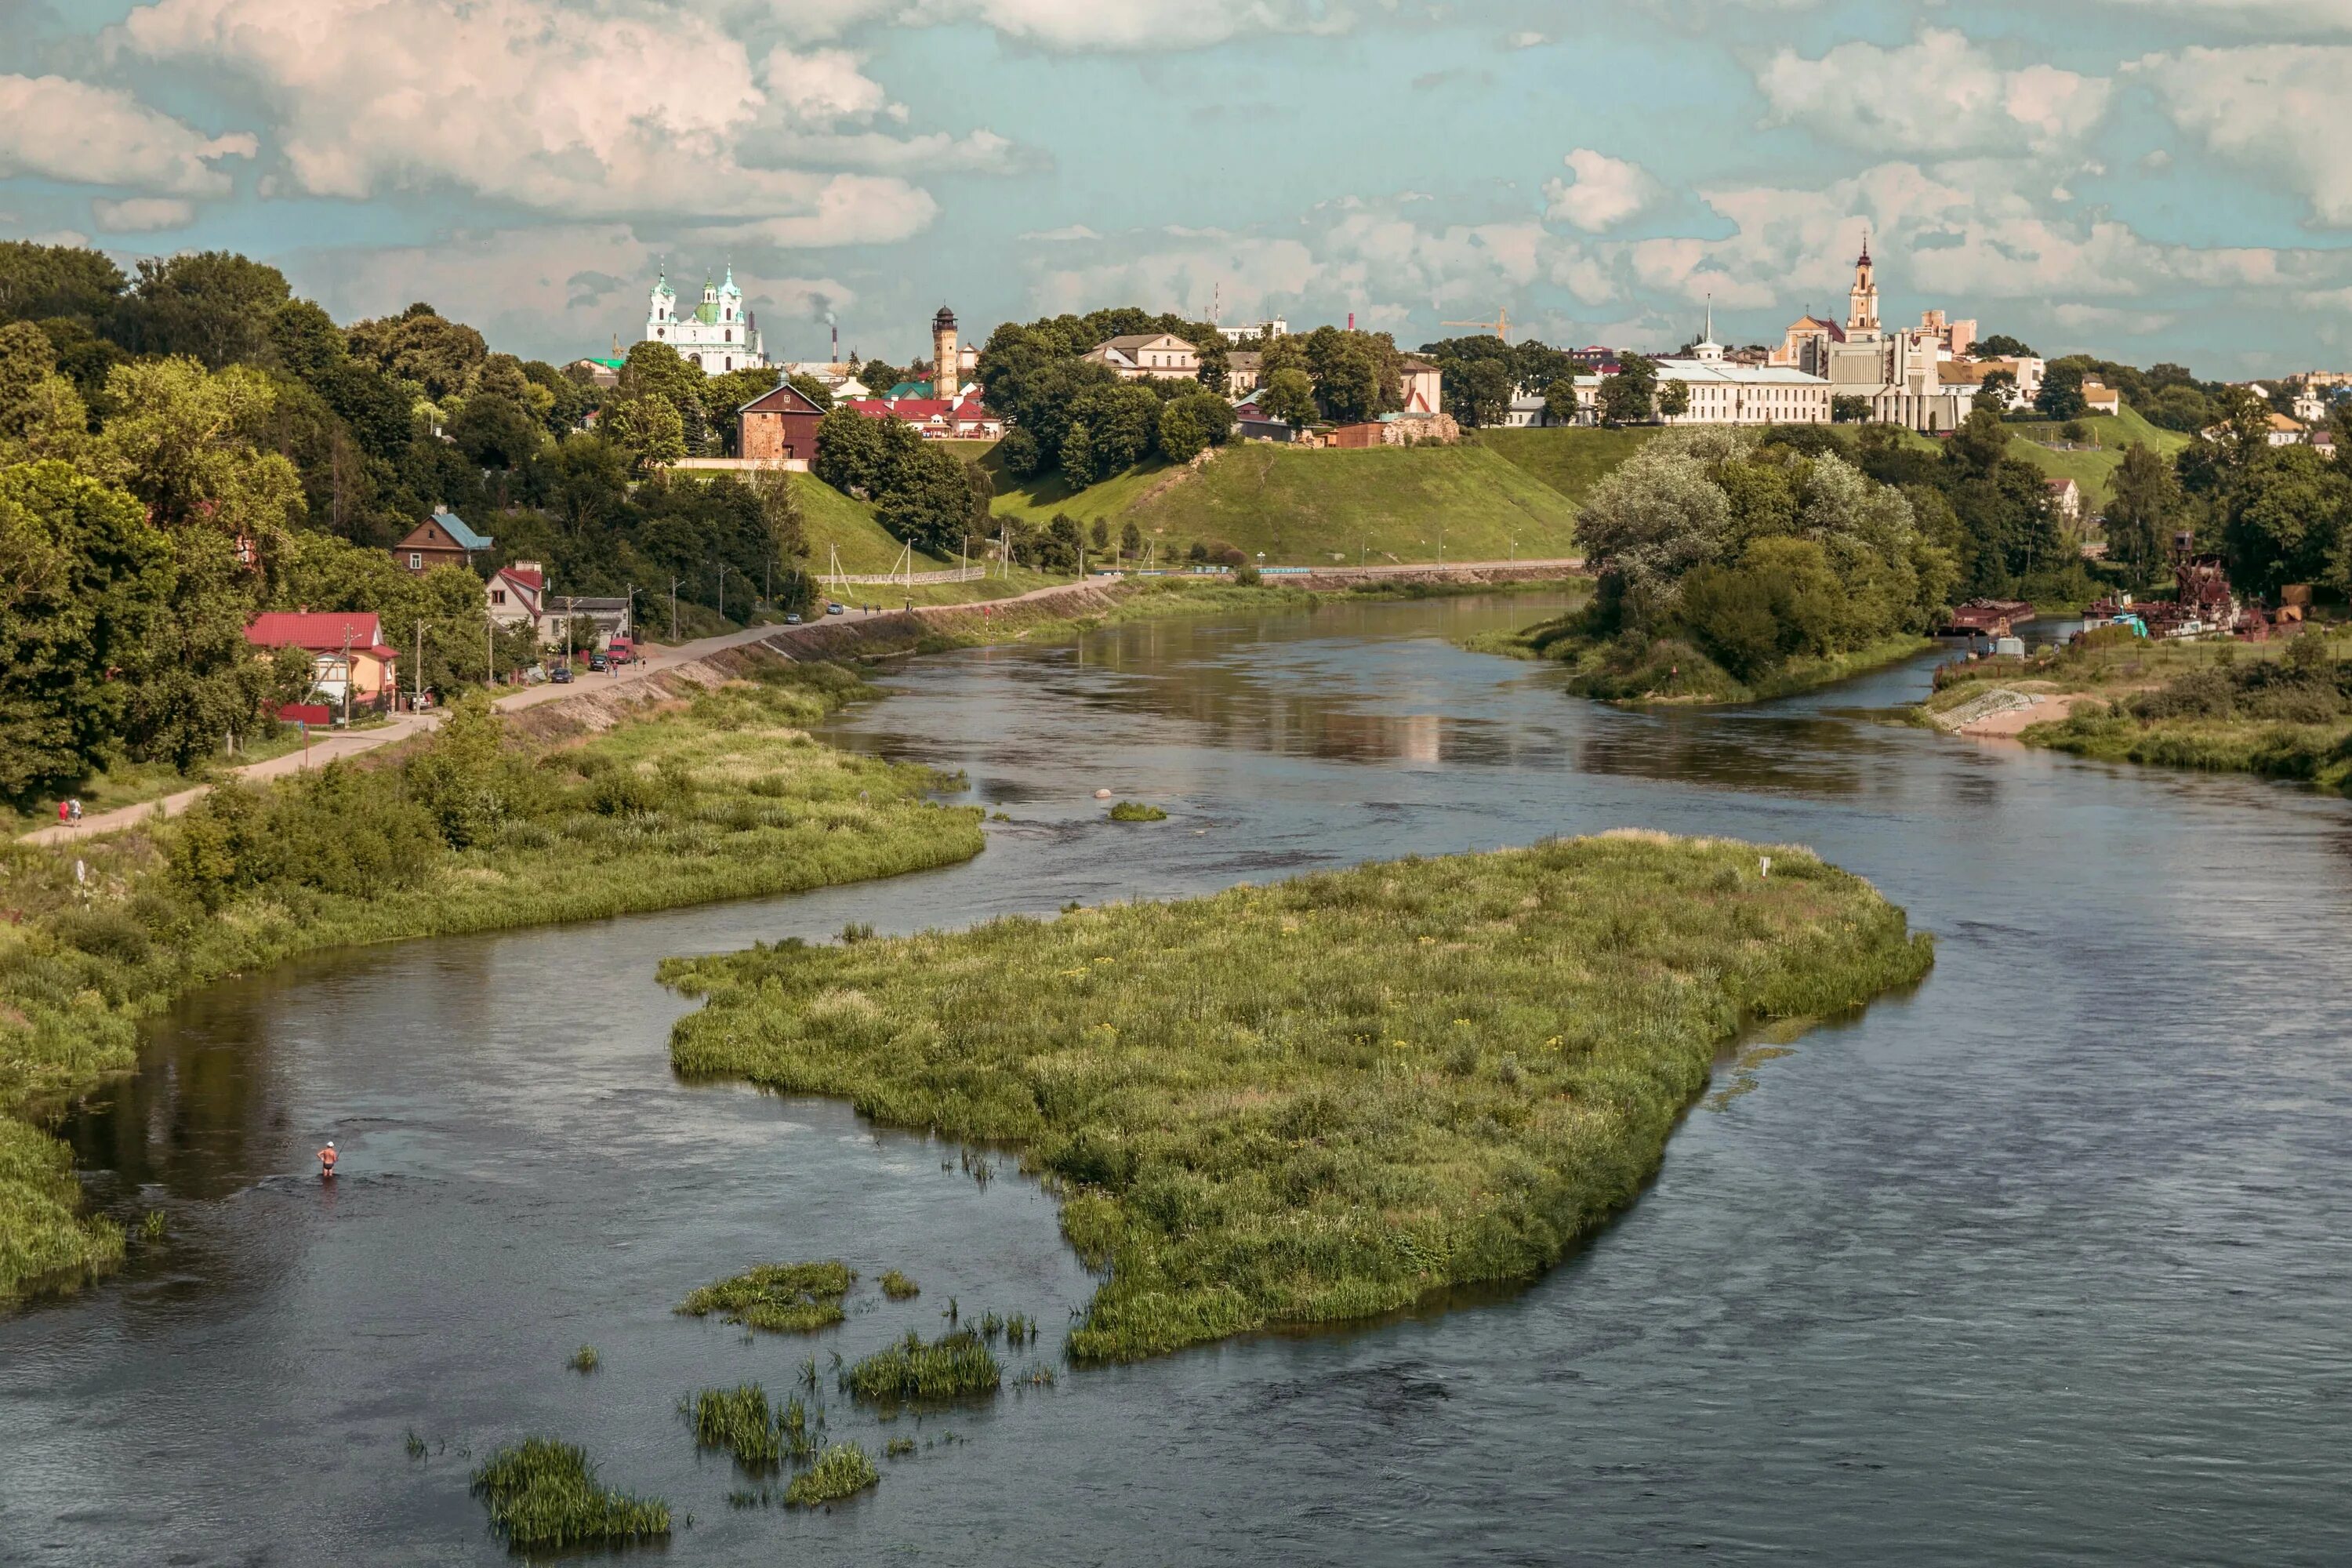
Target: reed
781 1298
898 1447
954 1366
843 1470
584 1359
544 1493
898 1287
1324 1098
738 1420
1137 811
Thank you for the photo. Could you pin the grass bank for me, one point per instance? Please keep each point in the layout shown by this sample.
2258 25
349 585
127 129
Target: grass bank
573 811
1668 670
1325 1098
2281 709
1570 460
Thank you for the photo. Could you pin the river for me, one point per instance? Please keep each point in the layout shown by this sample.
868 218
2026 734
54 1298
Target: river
2049 1262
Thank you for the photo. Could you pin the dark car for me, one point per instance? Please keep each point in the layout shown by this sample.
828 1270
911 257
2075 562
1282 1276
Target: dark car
560 675
599 662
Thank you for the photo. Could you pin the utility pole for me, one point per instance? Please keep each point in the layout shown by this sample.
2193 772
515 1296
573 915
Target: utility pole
489 652
416 681
673 610
347 677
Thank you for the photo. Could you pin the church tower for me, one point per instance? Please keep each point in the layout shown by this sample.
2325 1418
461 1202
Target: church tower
1861 300
944 363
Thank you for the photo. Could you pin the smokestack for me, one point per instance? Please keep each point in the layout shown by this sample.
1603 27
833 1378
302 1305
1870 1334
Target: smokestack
1351 321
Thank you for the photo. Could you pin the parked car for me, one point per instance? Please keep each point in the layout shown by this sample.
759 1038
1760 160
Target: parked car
597 662
793 618
832 608
562 675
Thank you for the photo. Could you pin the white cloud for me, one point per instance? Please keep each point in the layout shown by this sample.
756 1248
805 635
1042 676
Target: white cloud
1078 25
1528 40
2283 110
1939 94
1064 235
1605 193
141 215
578 110
88 135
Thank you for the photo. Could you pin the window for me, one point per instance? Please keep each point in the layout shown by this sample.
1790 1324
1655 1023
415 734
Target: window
498 596
415 562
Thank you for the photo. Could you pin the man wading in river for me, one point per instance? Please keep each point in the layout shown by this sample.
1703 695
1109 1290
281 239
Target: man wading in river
327 1159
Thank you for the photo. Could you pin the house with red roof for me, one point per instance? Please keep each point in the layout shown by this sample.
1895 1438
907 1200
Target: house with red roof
353 667
962 418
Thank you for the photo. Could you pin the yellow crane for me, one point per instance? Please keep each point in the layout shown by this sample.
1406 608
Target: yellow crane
1500 326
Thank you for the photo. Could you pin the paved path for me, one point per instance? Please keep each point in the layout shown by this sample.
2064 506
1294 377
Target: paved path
654 660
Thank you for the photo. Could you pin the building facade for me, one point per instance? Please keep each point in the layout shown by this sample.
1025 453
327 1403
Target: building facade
718 334
778 426
350 665
441 540
1898 374
1158 356
1722 392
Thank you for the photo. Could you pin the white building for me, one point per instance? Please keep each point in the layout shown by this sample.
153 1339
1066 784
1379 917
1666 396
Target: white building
718 334
1163 356
1276 328
1723 392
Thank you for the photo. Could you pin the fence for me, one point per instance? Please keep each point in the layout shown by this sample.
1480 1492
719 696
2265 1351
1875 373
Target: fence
906 579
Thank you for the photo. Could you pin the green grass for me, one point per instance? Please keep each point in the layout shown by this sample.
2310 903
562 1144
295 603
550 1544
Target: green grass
830 521
44 1242
1388 504
585 1359
1137 811
781 1298
898 1287
542 1493
1038 500
1328 1098
843 1470
740 1421
953 1366
721 795
2094 466
1570 460
125 783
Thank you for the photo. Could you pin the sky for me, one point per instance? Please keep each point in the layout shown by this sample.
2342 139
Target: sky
2145 180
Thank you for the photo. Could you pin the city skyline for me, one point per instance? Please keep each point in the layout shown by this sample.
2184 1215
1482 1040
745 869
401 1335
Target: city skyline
2141 179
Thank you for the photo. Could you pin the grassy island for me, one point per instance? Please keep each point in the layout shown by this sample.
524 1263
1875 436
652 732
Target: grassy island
1328 1098
542 1493
2280 709
573 811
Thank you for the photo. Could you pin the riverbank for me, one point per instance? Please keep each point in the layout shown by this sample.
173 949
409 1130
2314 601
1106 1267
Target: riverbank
1331 1097
1669 671
2280 709
695 787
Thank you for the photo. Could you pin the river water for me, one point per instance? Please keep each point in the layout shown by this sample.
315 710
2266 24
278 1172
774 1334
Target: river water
2048 1262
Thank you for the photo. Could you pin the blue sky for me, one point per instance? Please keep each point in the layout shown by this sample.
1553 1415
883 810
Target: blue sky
2145 179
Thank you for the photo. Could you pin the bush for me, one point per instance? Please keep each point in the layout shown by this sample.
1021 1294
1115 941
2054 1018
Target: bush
953 1366
544 1493
784 1297
843 1470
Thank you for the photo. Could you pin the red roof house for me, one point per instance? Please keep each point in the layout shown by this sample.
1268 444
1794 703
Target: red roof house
350 661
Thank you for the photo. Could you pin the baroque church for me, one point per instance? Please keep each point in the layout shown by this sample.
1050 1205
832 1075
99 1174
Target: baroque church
718 334
1897 372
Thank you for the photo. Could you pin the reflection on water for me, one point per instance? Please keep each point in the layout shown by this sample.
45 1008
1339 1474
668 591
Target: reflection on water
2048 1260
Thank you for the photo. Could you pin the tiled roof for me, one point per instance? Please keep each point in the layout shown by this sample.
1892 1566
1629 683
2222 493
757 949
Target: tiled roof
319 631
454 527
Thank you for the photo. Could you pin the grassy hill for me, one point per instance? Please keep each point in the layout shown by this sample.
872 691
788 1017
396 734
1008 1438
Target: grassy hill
1402 503
2091 466
1570 461
1037 500
829 519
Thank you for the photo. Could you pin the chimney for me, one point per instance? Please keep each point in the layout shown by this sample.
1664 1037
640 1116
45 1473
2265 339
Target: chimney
1351 321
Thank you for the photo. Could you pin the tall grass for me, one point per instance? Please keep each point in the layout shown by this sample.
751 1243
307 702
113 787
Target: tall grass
740 1421
1326 1098
490 825
953 1366
843 1470
781 1298
542 1493
898 1287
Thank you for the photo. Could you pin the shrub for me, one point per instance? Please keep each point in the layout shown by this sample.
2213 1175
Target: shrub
843 1470
783 1298
1137 811
898 1287
955 1366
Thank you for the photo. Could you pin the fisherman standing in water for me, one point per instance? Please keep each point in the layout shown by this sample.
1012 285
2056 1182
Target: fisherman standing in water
327 1159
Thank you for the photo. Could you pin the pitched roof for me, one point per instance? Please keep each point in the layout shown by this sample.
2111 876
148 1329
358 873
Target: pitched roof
1417 365
533 578
455 526
781 398
319 631
1141 340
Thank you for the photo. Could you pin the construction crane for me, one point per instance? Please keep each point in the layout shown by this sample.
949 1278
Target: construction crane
1500 326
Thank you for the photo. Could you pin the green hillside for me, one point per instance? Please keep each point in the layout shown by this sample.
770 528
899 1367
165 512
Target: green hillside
1400 503
1037 500
2090 467
828 518
1570 461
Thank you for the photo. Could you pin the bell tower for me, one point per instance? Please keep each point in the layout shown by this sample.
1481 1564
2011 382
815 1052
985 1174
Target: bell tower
1861 300
944 363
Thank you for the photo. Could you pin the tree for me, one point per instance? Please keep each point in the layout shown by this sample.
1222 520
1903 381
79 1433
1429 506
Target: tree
84 580
1561 406
2061 397
39 282
937 501
1289 395
2000 345
2286 516
1019 454
1674 399
1630 397
1356 375
1180 437
1997 388
438 356
1849 408
879 375
2143 498
494 433
1485 395
655 370
648 428
1981 441
1131 541
215 306
812 389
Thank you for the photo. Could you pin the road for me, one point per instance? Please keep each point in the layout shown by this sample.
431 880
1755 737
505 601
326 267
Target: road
654 660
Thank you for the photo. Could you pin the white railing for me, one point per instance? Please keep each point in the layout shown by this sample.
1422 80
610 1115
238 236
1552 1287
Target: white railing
909 579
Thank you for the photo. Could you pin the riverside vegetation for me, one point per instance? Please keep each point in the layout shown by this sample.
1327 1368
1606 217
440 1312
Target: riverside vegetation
488 824
2278 710
1328 1098
783 1298
542 1493
1734 568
